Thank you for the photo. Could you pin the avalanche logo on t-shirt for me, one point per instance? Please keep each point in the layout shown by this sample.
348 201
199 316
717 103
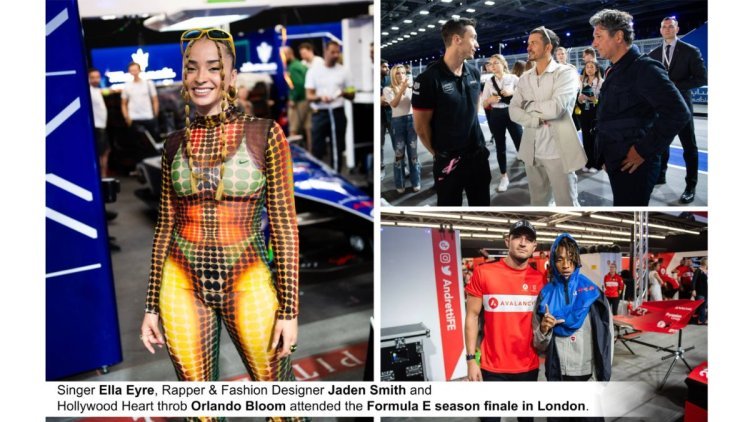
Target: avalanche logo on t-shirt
492 303
508 303
525 286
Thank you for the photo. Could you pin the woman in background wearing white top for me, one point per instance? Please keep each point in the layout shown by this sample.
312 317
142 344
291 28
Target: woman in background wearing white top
655 282
403 136
498 90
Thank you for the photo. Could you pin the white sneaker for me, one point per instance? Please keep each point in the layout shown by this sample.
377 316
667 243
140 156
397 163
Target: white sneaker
400 190
417 188
504 182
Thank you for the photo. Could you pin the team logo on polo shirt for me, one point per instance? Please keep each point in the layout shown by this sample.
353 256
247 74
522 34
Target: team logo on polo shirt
525 286
448 87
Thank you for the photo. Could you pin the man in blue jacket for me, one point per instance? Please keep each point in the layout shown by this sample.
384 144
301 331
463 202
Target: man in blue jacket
640 110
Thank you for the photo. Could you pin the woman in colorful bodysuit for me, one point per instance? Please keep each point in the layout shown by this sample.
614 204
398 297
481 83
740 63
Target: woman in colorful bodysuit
209 259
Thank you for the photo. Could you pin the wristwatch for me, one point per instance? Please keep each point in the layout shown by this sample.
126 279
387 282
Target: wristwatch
472 356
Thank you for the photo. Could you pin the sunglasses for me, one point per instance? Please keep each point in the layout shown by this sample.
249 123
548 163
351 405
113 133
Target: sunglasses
213 34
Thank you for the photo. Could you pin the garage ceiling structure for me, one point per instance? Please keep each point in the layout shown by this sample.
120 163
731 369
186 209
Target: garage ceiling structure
508 22
667 232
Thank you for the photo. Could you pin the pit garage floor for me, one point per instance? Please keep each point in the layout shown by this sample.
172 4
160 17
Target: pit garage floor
593 189
334 322
645 366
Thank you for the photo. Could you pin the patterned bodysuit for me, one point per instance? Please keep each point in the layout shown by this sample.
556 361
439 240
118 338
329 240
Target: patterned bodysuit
209 260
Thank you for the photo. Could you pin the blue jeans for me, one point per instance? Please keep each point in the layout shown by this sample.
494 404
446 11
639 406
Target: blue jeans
404 139
702 309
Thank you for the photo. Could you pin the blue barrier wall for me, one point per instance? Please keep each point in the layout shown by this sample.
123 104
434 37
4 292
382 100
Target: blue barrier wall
81 314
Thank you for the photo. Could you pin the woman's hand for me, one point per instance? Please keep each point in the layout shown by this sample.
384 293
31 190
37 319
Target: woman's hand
150 333
286 331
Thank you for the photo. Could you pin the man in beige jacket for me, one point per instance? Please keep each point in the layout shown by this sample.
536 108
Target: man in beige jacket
543 104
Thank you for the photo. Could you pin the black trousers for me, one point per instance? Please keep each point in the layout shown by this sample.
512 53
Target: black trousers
633 189
456 173
322 128
523 376
587 118
689 149
499 121
614 302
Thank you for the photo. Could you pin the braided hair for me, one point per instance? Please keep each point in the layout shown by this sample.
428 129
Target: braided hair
227 96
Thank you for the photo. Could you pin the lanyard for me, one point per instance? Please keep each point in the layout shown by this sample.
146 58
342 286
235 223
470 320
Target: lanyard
666 59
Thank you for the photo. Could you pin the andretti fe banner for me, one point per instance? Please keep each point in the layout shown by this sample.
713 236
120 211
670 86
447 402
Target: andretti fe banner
447 276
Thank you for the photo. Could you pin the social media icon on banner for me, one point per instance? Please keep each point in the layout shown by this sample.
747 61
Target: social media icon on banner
445 258
444 245
447 270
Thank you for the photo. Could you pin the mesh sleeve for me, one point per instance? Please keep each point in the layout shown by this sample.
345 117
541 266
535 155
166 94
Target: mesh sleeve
283 221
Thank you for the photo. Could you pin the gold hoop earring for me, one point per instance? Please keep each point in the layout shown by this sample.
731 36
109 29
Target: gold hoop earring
232 94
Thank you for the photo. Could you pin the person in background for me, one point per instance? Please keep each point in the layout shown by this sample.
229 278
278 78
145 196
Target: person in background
613 287
588 98
403 136
385 113
308 57
504 290
572 324
518 68
561 55
299 110
700 289
686 69
589 55
100 120
670 286
140 103
497 93
655 283
529 65
684 274
543 104
328 86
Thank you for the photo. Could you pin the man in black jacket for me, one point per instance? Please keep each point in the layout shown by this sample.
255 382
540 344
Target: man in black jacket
639 113
687 70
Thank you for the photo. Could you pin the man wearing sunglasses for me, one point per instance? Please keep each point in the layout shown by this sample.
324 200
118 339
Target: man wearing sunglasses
686 69
639 112
543 105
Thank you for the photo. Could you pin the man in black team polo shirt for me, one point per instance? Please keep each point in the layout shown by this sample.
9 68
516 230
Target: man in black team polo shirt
445 102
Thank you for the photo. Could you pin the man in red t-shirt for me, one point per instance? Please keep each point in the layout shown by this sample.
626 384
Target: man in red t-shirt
684 273
613 286
506 289
671 284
